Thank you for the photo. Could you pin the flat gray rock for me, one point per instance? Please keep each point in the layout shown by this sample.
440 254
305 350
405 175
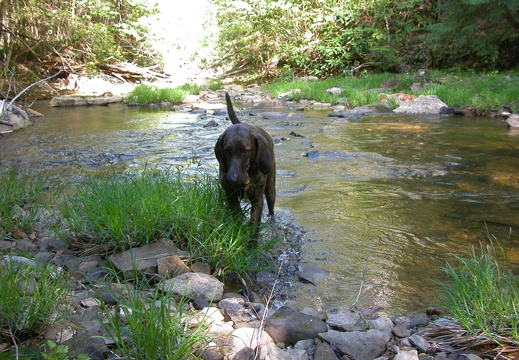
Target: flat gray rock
60 101
142 259
194 286
311 273
359 345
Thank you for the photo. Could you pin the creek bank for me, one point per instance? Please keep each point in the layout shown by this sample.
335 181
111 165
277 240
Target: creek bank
105 90
238 326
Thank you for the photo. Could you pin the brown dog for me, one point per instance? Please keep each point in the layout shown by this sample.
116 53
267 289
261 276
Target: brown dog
247 166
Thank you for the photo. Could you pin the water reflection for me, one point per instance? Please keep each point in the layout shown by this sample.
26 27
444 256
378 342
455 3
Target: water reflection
388 199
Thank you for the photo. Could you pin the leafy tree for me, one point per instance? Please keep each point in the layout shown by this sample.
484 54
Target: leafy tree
483 33
324 37
71 31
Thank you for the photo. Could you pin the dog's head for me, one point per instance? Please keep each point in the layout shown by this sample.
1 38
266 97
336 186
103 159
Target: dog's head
243 151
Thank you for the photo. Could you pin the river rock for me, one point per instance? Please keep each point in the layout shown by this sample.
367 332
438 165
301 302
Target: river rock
311 273
195 285
60 101
344 320
335 91
323 351
382 323
289 95
274 115
142 259
171 266
419 342
214 320
13 118
288 326
423 104
234 309
250 338
406 355
513 121
358 345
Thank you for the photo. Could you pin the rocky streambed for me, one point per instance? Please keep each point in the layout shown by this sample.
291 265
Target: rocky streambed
252 324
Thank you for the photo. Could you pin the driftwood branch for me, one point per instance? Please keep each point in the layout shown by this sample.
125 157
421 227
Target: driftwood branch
6 107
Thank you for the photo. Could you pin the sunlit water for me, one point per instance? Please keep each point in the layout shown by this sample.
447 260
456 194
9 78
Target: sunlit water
387 199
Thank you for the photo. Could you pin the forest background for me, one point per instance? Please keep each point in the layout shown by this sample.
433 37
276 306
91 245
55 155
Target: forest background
264 39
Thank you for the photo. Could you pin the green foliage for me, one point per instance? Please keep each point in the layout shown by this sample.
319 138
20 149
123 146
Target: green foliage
157 329
95 31
145 94
119 211
30 299
19 199
59 352
342 37
483 294
480 93
476 33
325 37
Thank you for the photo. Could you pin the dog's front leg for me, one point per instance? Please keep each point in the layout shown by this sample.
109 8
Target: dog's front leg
256 209
233 200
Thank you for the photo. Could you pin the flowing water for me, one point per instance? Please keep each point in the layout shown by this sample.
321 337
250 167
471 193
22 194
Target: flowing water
387 199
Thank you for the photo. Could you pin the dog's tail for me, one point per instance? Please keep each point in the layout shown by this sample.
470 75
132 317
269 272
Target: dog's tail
230 110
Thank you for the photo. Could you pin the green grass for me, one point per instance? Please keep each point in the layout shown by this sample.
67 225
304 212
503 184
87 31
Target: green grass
20 199
484 295
356 89
31 299
154 328
114 211
480 93
145 94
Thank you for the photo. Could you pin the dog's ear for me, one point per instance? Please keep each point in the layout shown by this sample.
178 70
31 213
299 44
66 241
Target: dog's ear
263 158
220 154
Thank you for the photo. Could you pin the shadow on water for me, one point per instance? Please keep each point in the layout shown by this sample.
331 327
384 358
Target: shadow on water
387 199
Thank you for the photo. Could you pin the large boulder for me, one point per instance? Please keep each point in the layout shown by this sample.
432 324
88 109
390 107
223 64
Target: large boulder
423 104
13 118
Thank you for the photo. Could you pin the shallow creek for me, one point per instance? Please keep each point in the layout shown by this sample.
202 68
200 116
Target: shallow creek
387 200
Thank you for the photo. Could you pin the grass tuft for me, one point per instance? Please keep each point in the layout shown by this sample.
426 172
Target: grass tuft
155 328
145 94
19 200
31 299
484 295
120 211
